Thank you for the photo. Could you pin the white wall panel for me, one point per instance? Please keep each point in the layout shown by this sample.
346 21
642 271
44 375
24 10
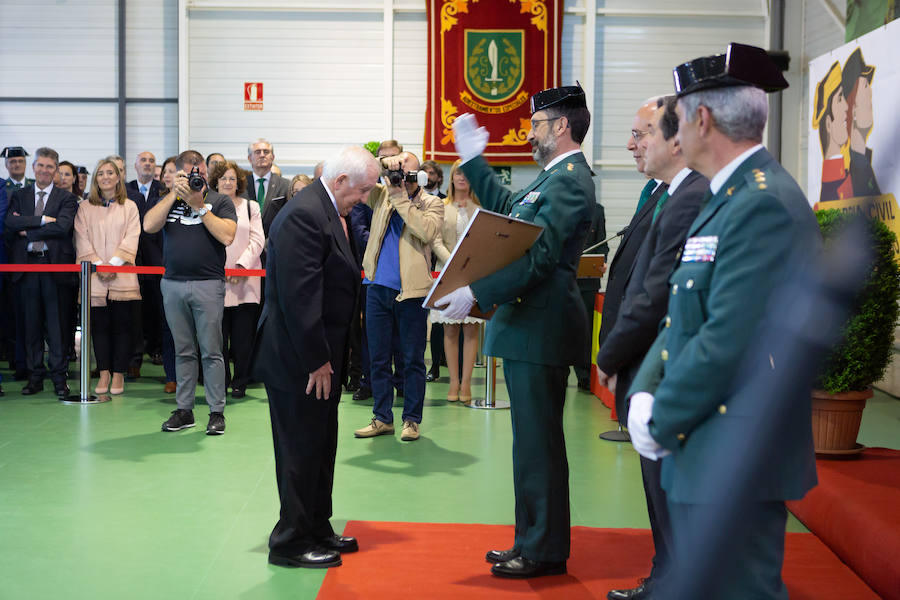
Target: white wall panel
81 133
322 76
152 127
58 48
151 49
410 76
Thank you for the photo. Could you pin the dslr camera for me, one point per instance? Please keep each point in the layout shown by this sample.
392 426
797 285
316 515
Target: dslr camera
399 176
195 179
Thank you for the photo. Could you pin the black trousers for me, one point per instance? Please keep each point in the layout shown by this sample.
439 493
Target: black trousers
583 372
68 315
658 511
152 313
40 305
238 333
111 331
356 366
437 349
136 351
304 432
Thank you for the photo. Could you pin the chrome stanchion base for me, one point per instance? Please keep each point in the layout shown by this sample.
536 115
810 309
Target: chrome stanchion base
619 435
77 399
483 404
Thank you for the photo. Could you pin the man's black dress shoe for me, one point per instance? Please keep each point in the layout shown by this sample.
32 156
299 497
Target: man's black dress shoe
499 556
523 568
33 387
640 592
361 394
352 385
1 391
430 377
339 543
61 389
314 558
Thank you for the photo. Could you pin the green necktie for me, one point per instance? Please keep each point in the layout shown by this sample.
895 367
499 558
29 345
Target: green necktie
659 204
645 194
261 192
18 186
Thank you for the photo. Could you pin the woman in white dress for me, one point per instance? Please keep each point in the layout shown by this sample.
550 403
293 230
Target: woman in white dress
459 205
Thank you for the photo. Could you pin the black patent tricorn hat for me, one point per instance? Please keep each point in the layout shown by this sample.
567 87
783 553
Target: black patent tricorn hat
854 68
568 95
13 152
740 65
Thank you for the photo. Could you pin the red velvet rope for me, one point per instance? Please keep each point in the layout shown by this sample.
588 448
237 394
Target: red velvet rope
53 268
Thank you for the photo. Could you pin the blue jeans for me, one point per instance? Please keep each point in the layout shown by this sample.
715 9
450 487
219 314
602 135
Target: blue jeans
365 378
384 316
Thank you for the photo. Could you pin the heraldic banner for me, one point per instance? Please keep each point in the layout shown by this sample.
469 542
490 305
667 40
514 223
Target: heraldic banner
854 152
488 57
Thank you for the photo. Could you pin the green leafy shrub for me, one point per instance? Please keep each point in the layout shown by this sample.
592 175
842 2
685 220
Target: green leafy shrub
864 352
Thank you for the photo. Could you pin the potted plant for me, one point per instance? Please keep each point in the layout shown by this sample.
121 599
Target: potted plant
865 348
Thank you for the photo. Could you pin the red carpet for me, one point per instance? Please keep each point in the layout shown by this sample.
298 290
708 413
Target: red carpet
429 560
855 510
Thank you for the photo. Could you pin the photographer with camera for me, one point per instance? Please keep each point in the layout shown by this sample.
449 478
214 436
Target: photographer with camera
197 225
405 221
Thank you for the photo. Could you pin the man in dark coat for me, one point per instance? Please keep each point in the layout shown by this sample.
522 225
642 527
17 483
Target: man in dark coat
312 282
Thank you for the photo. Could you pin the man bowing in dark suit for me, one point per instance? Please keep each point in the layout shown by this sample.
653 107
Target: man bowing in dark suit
644 305
39 231
312 279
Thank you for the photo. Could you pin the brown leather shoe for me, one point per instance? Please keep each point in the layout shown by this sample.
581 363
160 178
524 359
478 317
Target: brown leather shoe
171 386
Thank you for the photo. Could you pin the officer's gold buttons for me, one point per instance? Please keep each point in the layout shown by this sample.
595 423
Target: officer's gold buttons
519 300
762 186
681 437
668 321
723 409
674 289
664 354
689 283
517 215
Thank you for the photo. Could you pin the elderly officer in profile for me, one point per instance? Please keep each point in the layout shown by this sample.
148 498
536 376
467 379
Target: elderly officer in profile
687 405
539 325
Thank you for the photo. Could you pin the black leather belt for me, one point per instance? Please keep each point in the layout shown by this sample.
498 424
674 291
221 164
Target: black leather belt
40 253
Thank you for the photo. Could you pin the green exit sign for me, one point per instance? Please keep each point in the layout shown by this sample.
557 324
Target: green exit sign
504 174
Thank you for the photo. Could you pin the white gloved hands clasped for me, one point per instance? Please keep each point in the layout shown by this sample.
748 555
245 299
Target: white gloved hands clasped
470 139
459 303
639 429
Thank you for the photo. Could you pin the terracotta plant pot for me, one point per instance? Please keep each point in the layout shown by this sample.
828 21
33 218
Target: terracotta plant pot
836 419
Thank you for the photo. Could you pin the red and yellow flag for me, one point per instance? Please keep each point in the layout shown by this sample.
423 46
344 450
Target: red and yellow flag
488 57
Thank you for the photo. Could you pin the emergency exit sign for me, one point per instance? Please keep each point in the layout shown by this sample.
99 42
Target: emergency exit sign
253 95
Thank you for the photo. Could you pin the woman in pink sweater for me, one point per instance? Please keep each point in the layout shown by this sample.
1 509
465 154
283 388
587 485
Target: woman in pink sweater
107 228
242 294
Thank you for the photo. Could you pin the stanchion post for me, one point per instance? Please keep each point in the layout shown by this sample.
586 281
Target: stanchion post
84 394
490 401
479 354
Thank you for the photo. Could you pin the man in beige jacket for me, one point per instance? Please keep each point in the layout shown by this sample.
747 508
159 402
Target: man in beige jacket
397 266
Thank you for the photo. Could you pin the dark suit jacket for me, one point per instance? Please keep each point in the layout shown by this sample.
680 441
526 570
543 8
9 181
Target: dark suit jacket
360 225
623 262
312 279
595 235
150 246
647 291
57 235
277 195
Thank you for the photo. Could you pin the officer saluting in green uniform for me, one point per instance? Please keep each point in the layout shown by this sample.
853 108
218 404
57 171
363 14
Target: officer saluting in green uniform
540 323
687 403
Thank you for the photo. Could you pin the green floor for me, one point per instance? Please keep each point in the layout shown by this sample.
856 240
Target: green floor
96 502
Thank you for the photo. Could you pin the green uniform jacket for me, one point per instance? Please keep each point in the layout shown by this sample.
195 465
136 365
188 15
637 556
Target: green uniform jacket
757 222
539 314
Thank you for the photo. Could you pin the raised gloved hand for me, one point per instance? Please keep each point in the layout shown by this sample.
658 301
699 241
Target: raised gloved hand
638 427
458 302
470 139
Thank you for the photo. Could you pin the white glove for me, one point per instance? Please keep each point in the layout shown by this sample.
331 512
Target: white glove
470 139
458 302
638 427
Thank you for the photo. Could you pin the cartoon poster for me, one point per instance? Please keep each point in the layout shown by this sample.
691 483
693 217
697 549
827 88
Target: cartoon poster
854 150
